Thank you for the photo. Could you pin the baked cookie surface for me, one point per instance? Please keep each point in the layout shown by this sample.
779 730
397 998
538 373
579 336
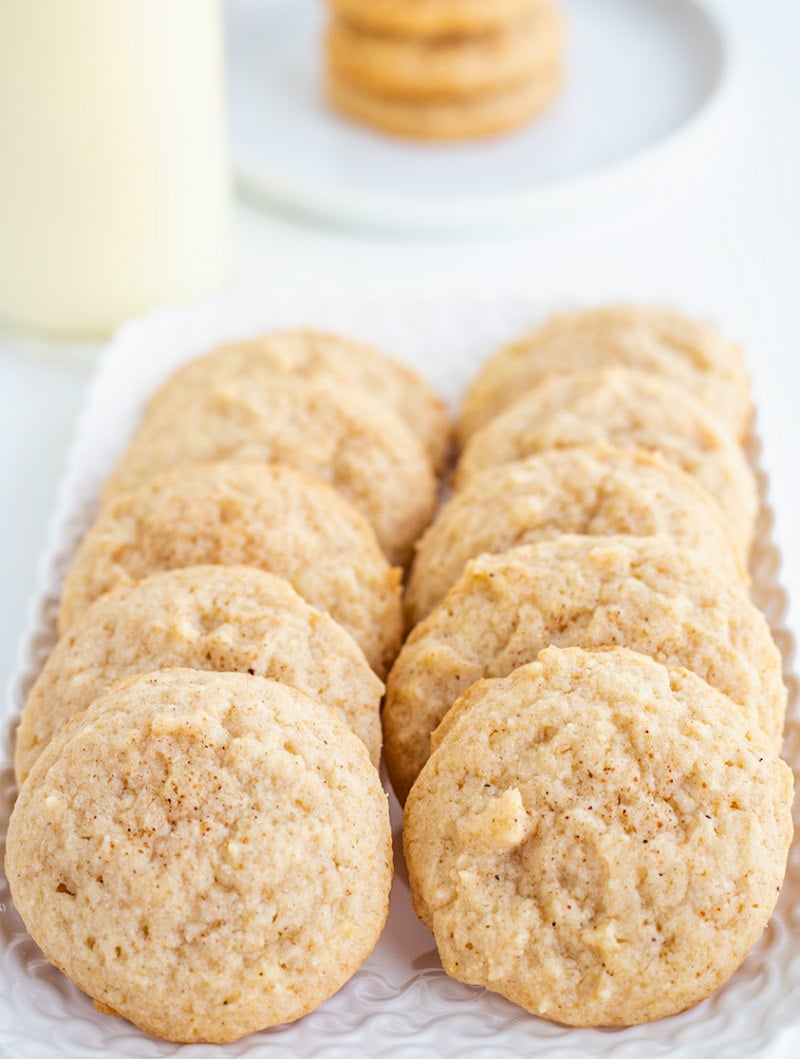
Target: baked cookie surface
458 118
275 518
599 491
688 352
411 68
598 838
221 618
645 593
435 18
304 354
193 855
618 406
311 423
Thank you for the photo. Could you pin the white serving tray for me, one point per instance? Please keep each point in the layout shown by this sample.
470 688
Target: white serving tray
400 1004
641 106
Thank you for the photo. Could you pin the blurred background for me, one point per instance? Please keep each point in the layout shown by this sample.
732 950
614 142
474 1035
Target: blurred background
666 169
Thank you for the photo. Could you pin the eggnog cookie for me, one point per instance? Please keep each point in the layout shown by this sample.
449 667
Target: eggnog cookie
411 68
598 838
639 592
194 854
599 491
436 18
690 353
305 354
627 408
314 424
274 518
223 618
457 118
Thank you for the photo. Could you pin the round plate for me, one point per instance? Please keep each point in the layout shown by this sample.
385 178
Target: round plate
642 76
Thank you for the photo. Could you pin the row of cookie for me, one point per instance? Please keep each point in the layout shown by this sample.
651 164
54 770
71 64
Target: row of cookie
443 71
599 830
218 851
634 378
188 492
599 423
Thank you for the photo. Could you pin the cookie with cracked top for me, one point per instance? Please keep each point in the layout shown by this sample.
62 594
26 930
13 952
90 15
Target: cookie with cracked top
598 838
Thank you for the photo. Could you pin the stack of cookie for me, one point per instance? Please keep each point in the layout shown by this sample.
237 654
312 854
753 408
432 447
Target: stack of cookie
444 69
201 840
599 830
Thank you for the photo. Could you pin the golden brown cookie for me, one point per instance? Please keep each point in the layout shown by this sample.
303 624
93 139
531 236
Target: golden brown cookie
688 352
410 68
304 354
597 837
599 491
644 593
618 406
315 424
223 618
194 854
275 518
448 119
433 18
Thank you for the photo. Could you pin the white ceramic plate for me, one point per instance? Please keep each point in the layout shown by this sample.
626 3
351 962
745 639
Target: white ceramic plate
645 80
400 1005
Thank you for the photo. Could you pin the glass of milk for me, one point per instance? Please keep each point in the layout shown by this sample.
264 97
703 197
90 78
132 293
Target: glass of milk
114 178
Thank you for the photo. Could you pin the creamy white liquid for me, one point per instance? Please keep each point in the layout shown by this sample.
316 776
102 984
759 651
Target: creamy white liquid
114 184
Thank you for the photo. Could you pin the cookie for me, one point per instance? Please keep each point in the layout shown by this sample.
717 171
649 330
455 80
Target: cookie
448 119
223 618
644 593
193 853
411 68
274 518
598 838
304 354
687 352
433 18
628 408
598 491
314 424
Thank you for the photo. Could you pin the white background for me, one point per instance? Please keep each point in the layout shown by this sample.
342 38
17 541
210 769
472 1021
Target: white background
722 242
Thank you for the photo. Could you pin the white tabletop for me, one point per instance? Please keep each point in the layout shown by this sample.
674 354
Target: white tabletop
722 243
